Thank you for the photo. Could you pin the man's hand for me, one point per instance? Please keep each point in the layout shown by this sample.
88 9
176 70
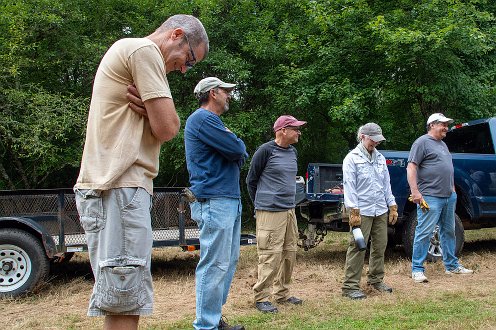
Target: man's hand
355 219
423 204
135 102
393 214
416 197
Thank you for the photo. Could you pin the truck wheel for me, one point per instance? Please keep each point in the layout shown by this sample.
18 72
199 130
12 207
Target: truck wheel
435 252
23 262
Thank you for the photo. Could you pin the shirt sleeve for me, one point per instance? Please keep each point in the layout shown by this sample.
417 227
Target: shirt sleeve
257 166
349 183
416 152
148 72
213 133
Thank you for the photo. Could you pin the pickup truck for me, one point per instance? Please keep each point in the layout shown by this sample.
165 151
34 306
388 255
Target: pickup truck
41 227
472 146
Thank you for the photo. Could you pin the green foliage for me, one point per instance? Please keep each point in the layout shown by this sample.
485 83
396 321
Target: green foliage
336 64
40 135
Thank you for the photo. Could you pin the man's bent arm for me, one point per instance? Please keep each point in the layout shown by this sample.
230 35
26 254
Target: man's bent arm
164 120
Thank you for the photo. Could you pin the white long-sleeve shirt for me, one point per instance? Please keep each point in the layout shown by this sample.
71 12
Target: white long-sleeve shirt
366 183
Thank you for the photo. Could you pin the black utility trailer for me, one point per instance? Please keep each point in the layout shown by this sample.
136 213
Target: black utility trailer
40 227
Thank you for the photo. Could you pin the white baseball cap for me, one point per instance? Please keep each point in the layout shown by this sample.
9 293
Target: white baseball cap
439 117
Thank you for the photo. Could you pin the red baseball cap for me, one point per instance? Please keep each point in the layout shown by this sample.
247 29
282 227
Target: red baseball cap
286 121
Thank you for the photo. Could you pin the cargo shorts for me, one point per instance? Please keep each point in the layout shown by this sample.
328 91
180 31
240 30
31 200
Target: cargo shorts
117 224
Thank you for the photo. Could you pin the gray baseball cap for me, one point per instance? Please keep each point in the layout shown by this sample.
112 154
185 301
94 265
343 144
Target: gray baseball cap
209 83
373 131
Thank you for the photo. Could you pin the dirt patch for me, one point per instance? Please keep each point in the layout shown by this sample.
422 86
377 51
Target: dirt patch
62 302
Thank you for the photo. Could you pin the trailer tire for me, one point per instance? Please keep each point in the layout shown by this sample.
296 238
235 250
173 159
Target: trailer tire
23 262
435 251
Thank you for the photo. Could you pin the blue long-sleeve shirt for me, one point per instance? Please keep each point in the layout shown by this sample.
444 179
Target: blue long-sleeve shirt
214 156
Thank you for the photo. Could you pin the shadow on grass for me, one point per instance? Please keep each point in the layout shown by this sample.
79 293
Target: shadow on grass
178 265
488 245
395 253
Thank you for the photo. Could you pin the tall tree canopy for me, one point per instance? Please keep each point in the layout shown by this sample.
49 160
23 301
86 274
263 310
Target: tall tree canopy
336 64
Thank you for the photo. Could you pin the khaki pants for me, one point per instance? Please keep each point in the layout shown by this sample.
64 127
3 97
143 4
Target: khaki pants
277 237
376 229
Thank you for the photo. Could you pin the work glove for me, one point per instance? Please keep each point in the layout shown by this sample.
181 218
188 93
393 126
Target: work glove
355 219
393 214
188 195
423 204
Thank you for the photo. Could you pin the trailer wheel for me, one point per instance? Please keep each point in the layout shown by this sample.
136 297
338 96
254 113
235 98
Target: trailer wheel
23 262
435 252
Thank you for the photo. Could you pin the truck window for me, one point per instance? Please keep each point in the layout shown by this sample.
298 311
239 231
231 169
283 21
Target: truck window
474 139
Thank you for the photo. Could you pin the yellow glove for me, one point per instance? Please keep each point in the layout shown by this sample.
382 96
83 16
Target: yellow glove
423 204
393 214
355 219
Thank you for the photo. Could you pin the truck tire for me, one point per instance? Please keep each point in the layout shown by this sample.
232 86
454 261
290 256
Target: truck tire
23 262
435 251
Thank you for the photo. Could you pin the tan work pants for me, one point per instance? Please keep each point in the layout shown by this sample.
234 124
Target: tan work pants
277 238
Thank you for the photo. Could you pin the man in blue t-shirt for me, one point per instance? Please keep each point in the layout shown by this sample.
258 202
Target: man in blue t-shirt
271 184
214 156
430 176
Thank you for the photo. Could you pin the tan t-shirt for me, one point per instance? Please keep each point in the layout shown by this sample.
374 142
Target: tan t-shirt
120 149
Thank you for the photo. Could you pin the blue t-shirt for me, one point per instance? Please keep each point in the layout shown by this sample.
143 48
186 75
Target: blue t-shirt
214 156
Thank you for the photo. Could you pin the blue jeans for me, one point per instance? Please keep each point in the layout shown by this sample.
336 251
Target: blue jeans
442 213
219 220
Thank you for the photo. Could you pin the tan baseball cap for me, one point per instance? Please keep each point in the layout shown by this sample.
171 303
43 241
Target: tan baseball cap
209 83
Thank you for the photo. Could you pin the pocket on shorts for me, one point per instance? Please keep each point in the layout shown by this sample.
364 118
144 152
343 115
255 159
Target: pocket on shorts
89 204
134 198
121 286
264 239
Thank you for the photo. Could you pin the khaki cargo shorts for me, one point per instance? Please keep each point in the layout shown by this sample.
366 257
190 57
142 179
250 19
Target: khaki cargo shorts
118 230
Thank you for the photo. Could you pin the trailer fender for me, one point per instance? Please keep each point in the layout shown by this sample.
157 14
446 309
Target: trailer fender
34 228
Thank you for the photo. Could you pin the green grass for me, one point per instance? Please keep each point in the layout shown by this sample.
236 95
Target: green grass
440 311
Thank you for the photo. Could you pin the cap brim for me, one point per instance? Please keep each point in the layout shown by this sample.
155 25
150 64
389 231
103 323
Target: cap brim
377 138
446 120
227 86
298 123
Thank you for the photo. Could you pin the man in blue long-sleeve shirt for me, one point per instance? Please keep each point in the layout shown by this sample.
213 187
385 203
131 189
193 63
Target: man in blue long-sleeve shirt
214 156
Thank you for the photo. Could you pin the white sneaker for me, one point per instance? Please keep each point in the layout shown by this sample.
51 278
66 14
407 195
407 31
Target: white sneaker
419 277
460 270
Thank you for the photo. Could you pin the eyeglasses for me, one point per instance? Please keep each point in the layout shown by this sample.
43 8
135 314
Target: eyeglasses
189 64
296 129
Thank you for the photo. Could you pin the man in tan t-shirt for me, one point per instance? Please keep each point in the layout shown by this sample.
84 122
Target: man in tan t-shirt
120 160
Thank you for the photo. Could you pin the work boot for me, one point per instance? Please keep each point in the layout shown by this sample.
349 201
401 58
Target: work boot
354 294
291 300
266 307
224 326
382 287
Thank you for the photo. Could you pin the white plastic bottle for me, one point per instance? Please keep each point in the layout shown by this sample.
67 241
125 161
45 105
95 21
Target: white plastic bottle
358 236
